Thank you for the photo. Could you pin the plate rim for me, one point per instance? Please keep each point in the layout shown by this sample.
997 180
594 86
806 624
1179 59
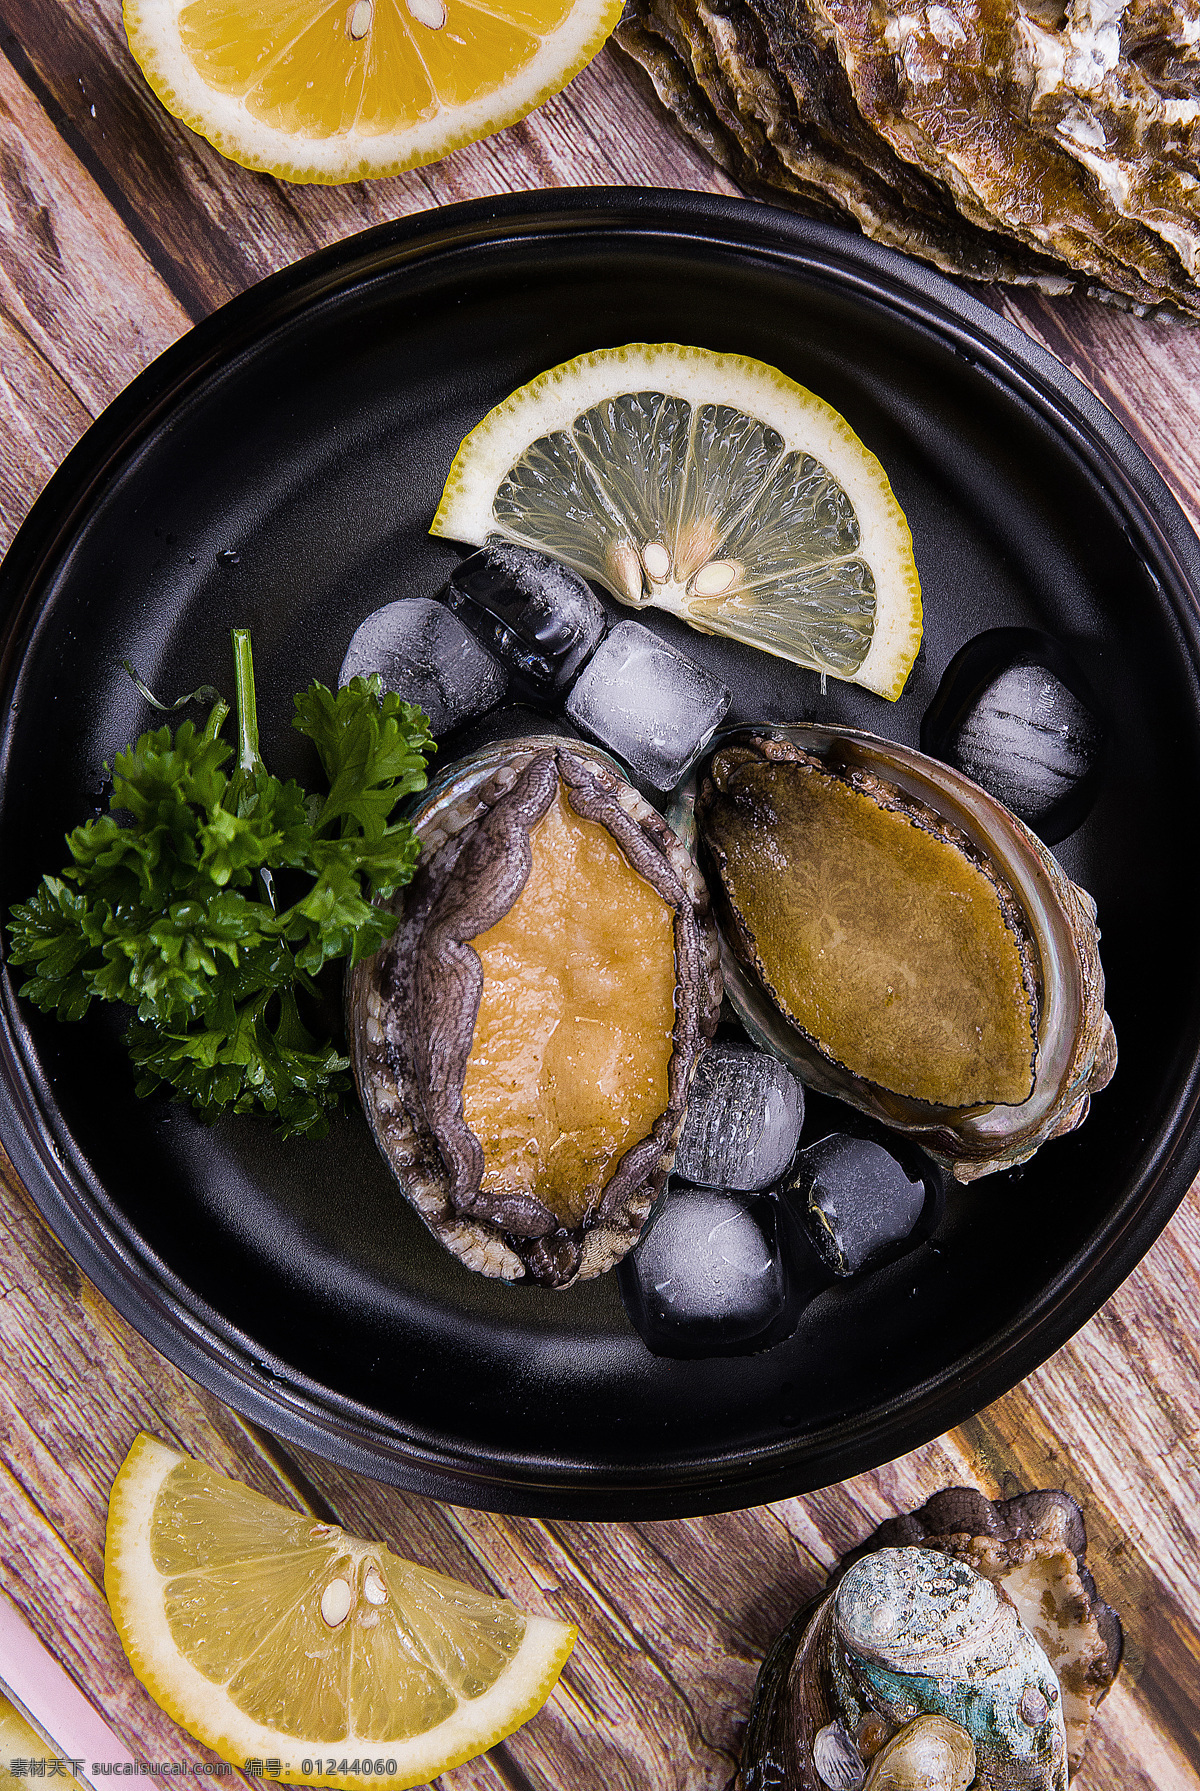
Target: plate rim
192 1334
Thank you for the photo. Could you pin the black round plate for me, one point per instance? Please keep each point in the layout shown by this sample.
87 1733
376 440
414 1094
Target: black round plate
279 468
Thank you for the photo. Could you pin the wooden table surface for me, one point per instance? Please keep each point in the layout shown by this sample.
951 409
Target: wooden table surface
120 230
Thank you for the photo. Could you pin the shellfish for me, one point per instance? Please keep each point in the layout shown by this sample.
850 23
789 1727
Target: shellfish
930 1754
524 1042
1034 1548
904 942
916 1671
913 1632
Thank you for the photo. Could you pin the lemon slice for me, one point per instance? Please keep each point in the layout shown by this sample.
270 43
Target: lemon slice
274 1638
709 485
313 91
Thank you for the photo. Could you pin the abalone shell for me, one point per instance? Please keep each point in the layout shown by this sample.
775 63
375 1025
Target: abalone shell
904 941
524 1042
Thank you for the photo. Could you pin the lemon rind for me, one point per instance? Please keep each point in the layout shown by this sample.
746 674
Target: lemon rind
224 120
134 1588
556 397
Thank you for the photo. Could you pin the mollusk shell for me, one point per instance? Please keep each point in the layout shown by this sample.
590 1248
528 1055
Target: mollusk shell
1076 1045
929 1754
1034 1547
917 1632
409 1074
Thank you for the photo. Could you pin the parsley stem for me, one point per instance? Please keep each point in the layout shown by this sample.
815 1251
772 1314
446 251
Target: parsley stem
249 758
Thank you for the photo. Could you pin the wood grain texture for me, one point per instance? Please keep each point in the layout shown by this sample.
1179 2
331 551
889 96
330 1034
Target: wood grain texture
119 228
674 1617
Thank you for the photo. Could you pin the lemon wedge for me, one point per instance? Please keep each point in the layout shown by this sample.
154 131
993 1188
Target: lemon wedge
272 1637
317 92
711 486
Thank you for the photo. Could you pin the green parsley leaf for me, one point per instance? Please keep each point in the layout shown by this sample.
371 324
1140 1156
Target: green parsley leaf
169 902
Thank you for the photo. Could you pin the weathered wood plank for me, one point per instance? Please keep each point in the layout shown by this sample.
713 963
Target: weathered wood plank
40 421
71 277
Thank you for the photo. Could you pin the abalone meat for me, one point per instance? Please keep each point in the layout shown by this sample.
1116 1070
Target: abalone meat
524 1042
904 941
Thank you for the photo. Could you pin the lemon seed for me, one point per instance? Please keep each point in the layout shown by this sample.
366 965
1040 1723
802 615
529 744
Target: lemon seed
374 1590
336 1600
714 578
657 561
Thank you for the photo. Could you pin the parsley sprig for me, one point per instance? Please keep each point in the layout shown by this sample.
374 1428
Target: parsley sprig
170 905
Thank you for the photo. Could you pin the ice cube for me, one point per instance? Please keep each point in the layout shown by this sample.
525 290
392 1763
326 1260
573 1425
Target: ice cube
859 1200
1014 714
714 1275
744 1114
649 704
540 619
429 658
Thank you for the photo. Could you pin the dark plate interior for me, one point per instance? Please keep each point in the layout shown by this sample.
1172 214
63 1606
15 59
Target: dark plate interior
279 469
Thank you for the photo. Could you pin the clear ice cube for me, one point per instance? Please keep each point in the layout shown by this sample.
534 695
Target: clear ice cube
428 657
1012 712
713 1275
538 617
744 1114
648 703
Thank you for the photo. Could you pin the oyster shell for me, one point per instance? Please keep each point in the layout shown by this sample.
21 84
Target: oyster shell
491 977
825 965
775 128
903 1673
1000 139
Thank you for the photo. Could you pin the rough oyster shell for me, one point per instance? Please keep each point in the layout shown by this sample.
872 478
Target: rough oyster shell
887 1640
1076 1047
783 123
412 1008
995 138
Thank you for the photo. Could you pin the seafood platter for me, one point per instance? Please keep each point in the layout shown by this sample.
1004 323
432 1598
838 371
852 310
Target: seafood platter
727 1095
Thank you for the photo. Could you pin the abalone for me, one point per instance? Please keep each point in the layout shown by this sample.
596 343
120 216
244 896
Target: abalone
524 1042
904 941
914 1632
1034 1548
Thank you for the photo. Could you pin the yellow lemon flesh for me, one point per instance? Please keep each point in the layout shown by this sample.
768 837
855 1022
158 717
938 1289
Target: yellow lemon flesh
270 1636
709 485
312 91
